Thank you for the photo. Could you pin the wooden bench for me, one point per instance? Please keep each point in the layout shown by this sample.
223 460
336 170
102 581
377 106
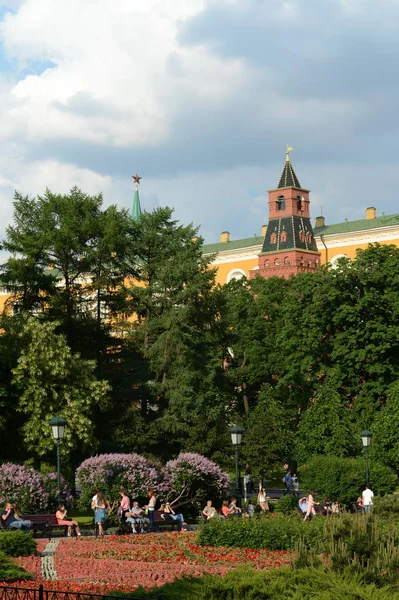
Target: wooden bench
45 524
165 522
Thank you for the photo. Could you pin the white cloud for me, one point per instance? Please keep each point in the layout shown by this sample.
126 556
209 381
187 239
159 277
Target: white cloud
123 56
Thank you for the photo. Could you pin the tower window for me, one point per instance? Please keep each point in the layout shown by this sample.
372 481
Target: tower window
286 261
280 203
267 264
283 236
309 237
302 235
299 202
273 238
276 262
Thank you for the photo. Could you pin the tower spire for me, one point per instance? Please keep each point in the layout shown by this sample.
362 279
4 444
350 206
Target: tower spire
288 177
136 210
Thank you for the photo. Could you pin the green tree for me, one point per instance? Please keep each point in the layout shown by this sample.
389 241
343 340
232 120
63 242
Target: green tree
179 334
51 380
327 426
268 440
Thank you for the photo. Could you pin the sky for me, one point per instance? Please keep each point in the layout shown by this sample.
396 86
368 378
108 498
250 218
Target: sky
201 97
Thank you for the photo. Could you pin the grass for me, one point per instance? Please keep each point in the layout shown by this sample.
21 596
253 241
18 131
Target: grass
85 519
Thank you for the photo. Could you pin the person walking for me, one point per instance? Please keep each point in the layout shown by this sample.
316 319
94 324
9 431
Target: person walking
263 500
311 512
367 497
287 479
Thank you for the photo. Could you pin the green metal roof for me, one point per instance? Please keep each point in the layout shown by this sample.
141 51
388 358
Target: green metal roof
256 240
349 226
136 210
346 227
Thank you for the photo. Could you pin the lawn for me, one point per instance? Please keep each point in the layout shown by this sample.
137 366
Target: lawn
85 519
123 563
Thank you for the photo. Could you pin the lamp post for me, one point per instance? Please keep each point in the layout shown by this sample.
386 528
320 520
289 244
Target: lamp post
366 441
58 428
236 433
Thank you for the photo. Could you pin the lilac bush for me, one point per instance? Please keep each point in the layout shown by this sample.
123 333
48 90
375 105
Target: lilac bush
192 478
50 484
111 472
24 487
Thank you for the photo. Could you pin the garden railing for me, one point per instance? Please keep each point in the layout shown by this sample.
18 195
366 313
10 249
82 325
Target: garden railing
16 593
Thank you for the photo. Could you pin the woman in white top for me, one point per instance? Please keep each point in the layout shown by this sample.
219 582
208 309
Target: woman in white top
263 500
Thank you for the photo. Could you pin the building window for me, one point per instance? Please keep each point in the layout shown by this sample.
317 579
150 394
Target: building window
309 237
283 236
286 261
280 203
299 202
267 264
276 262
302 235
301 261
273 238
235 274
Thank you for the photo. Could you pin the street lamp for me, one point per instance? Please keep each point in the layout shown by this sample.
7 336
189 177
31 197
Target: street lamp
366 441
58 428
236 433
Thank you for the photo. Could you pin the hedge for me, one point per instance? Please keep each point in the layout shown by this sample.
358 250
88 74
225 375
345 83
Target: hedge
248 584
17 543
275 532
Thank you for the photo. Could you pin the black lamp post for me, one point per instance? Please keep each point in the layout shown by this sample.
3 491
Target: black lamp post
366 440
236 433
58 428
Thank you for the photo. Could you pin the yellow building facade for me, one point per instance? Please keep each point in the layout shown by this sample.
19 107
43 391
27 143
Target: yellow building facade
234 259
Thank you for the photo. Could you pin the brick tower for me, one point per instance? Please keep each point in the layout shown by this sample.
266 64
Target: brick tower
289 246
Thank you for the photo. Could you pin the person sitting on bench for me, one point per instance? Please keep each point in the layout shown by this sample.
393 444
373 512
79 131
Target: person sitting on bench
12 519
62 519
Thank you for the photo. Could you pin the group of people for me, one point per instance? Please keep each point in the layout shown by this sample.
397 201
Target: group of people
140 519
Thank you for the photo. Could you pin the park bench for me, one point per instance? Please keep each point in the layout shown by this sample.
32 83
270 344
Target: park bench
45 524
164 520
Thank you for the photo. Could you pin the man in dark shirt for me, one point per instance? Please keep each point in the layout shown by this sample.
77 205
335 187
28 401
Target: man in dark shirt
13 520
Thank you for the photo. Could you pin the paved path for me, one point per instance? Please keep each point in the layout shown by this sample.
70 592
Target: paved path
47 560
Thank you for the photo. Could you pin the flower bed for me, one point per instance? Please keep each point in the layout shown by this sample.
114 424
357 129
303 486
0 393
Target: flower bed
122 563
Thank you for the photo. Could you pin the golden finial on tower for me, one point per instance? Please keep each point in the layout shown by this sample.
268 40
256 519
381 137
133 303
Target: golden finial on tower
287 156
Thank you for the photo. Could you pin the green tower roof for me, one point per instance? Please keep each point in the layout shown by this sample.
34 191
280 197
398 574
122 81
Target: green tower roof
136 210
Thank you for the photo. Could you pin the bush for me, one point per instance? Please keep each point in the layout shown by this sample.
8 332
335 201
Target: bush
111 472
343 478
275 532
17 543
9 571
50 484
364 545
386 506
248 584
286 504
193 478
24 487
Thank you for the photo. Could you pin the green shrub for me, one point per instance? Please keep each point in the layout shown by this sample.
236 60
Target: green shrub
9 571
286 504
386 506
343 478
17 543
248 584
276 532
365 545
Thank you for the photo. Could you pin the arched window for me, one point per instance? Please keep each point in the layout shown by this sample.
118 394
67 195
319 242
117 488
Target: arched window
283 236
316 263
299 202
276 262
235 274
309 237
287 261
273 238
302 235
280 203
267 264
